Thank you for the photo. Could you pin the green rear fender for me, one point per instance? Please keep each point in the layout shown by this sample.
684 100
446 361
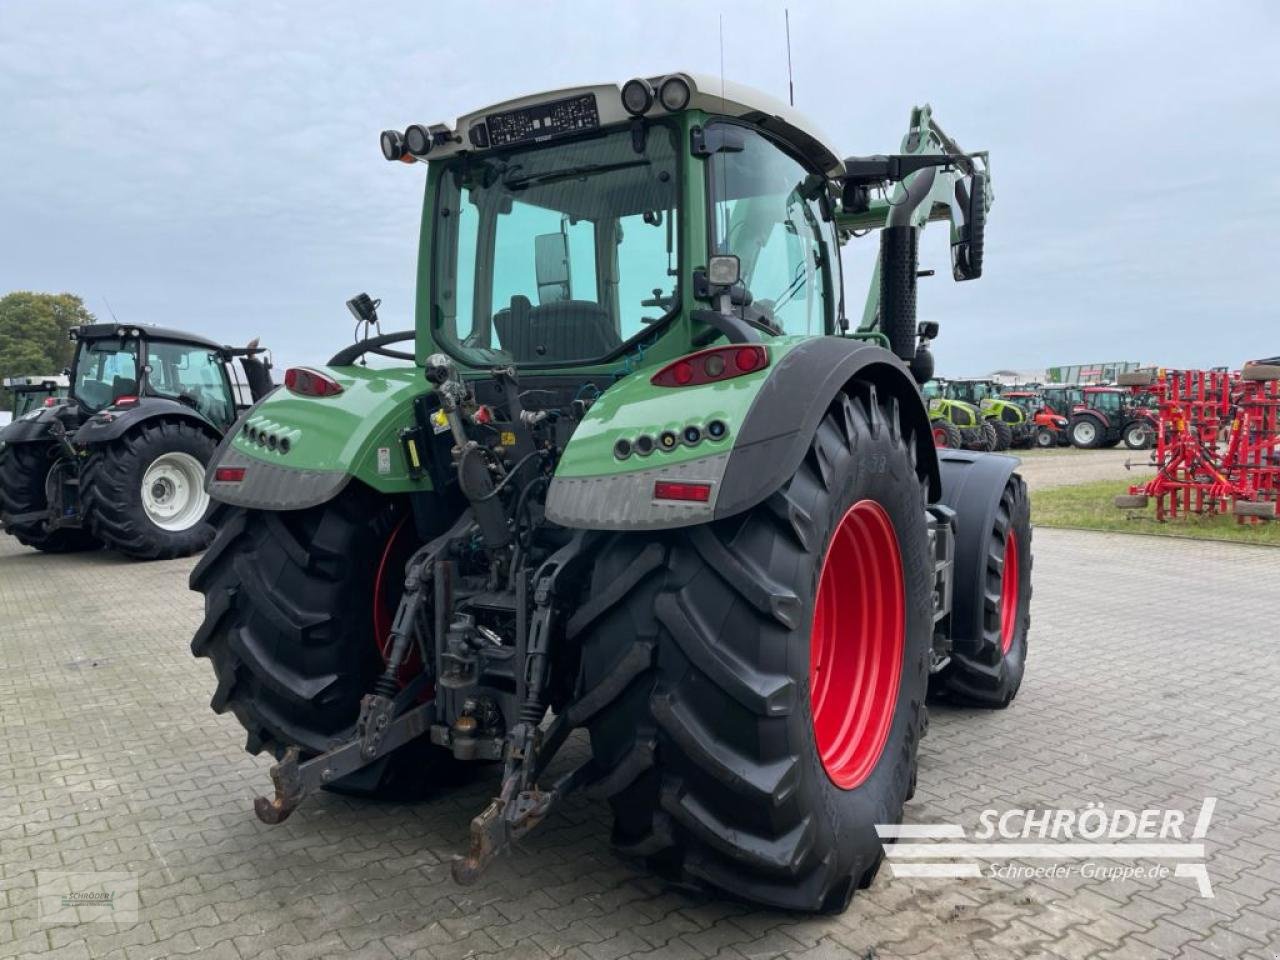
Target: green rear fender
299 451
769 419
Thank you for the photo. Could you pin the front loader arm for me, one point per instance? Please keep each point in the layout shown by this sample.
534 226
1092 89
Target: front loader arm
927 195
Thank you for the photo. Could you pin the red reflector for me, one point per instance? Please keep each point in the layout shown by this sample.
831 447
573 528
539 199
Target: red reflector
675 490
125 401
750 358
50 401
712 366
228 474
310 383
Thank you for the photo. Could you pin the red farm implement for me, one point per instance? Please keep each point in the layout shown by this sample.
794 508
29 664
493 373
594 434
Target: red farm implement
1217 443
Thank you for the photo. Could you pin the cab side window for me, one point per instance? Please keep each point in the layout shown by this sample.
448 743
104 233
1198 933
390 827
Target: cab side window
765 210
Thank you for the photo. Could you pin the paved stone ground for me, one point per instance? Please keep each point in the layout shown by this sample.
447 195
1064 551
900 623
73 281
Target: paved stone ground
1065 466
1152 682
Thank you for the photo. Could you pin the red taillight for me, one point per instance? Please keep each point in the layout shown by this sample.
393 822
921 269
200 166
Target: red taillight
310 383
124 401
228 474
711 366
676 490
50 401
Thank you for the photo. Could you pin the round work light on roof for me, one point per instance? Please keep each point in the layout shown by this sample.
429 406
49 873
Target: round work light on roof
392 142
674 94
417 140
637 97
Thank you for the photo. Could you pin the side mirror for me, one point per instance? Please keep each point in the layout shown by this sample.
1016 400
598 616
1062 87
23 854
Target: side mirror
966 255
551 266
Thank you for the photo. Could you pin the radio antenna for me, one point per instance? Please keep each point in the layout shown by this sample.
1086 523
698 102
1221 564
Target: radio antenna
109 310
791 87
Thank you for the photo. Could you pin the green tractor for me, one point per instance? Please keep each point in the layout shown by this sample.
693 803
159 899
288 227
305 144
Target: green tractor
956 423
635 475
1009 422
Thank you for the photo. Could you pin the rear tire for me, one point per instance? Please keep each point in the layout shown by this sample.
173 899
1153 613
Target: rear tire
1085 433
986 670
24 472
710 757
289 628
112 483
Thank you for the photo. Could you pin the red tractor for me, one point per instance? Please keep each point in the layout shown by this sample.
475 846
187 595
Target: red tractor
1109 415
1049 429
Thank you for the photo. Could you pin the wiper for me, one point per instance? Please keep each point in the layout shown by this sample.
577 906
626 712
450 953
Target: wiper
553 176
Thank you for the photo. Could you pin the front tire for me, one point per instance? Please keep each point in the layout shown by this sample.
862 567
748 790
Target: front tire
25 472
1003 434
1045 439
291 604
1139 435
986 669
722 759
144 492
946 434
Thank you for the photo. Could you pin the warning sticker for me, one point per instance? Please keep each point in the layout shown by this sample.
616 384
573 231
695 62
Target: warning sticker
384 460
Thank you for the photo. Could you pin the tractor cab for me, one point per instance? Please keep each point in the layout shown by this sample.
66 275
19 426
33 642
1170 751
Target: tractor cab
28 393
120 366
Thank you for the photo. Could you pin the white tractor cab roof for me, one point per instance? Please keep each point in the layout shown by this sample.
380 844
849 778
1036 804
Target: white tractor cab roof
53 379
556 113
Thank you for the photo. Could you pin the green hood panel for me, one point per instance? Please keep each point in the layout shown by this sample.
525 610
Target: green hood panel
634 407
341 434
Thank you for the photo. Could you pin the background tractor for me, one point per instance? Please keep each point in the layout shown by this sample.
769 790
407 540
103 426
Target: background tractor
119 461
1108 415
956 423
30 392
1048 429
636 476
1011 425
1062 399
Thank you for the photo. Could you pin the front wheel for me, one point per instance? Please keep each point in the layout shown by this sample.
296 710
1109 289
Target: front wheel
787 649
986 668
946 434
1138 435
144 493
1045 438
1003 434
27 472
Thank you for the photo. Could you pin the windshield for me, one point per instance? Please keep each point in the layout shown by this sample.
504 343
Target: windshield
105 370
559 253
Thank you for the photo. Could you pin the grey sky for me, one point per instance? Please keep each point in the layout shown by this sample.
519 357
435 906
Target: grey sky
215 165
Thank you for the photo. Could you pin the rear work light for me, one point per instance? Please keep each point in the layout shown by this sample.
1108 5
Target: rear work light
712 366
677 490
310 383
228 474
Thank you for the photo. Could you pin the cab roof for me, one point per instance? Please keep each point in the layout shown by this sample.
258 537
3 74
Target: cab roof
709 94
103 331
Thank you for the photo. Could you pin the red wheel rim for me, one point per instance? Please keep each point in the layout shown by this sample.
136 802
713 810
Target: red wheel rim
1009 592
939 437
856 644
